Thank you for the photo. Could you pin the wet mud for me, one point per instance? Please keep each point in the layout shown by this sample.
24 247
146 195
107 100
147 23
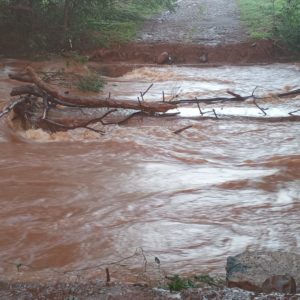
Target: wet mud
265 51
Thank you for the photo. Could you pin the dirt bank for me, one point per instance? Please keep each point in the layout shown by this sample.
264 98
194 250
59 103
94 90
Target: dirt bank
265 51
197 32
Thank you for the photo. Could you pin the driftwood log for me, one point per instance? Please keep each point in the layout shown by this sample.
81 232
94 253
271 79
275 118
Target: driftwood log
46 106
96 102
43 105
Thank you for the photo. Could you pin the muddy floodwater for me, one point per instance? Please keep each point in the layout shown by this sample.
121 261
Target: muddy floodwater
78 199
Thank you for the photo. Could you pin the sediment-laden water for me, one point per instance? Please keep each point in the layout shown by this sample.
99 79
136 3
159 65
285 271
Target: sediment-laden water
77 199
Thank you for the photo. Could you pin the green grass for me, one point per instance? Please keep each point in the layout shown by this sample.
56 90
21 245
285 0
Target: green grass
177 283
91 83
276 19
259 17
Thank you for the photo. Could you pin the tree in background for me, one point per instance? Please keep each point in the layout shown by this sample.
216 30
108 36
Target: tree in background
52 25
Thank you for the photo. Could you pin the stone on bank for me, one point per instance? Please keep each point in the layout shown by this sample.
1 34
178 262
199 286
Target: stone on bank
264 272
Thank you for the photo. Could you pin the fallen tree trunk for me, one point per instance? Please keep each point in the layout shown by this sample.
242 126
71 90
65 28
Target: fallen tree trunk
24 77
31 111
43 105
38 106
96 102
26 90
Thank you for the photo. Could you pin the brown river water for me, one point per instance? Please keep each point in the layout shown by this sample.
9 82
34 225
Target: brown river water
77 199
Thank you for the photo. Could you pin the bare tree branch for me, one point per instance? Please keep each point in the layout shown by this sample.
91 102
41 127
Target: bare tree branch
182 129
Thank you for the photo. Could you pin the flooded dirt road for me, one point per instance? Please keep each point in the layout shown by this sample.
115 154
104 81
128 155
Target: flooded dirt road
208 22
78 200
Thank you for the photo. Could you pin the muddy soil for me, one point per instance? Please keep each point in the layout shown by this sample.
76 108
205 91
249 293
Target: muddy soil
265 51
209 22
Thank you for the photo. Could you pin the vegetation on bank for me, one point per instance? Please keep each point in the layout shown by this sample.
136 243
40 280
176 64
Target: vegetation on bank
177 283
52 25
276 19
38 26
91 83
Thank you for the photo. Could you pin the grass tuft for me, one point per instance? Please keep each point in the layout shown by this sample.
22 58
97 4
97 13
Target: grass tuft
177 283
91 83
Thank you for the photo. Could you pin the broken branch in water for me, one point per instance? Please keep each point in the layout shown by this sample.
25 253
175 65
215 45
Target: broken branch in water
236 98
142 96
57 125
209 100
254 101
85 124
290 93
147 90
198 104
260 108
182 129
12 105
214 111
254 92
293 112
107 276
46 107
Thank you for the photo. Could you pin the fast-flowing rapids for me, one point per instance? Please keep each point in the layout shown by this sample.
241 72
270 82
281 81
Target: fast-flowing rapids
77 199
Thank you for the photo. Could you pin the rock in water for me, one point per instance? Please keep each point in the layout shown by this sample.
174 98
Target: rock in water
261 271
163 58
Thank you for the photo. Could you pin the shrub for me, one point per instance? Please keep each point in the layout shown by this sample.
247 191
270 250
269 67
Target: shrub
91 83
